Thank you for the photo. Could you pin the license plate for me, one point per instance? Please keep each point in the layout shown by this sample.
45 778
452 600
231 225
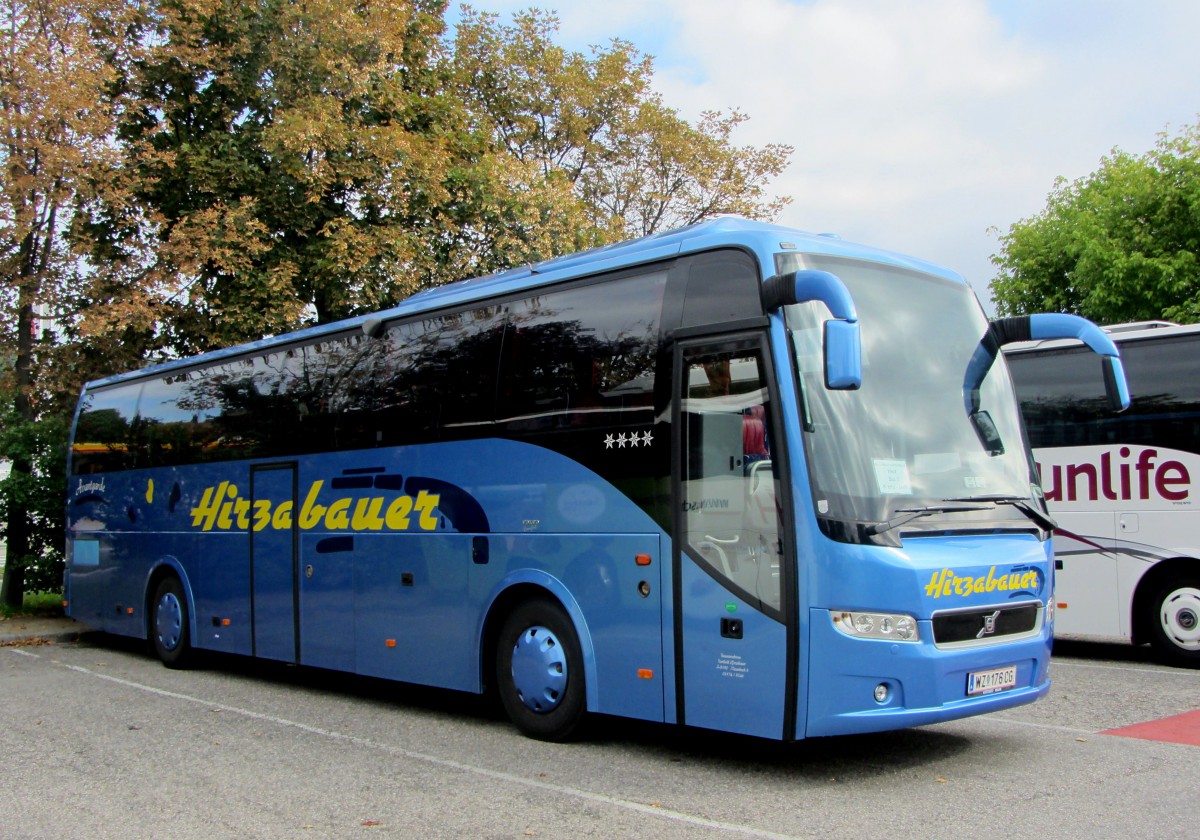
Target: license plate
988 682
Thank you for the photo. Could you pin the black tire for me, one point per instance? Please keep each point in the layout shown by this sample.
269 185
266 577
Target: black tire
539 671
1175 622
170 637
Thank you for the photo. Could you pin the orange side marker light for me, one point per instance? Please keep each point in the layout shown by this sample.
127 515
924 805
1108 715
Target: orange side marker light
642 559
645 674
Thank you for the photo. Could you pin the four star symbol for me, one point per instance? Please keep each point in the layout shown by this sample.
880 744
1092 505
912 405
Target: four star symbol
633 439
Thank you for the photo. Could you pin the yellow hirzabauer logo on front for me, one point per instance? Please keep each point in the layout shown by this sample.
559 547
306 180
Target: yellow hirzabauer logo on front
947 583
222 508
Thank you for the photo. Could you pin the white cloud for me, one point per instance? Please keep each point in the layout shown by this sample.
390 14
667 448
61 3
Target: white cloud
918 125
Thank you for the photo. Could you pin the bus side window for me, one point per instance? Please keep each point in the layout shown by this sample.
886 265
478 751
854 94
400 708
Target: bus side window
174 425
104 434
437 377
583 357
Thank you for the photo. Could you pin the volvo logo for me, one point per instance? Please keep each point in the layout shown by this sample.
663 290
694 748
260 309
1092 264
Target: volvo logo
989 625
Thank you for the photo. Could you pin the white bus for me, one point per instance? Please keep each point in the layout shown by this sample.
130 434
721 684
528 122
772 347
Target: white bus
1120 485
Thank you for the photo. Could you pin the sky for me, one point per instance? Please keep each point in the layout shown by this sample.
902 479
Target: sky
921 126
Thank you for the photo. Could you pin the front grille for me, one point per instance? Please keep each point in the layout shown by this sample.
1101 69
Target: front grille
987 625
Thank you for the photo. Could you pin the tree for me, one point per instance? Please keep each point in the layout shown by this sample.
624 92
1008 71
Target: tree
183 175
54 128
289 163
593 126
1121 244
283 163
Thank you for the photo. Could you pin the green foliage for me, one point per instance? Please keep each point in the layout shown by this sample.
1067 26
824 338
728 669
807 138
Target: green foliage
35 488
1119 245
46 602
283 162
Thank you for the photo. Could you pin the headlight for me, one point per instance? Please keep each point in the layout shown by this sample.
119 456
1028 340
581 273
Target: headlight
886 626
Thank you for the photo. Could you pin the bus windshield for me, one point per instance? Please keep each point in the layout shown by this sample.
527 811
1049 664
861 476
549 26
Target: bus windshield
903 448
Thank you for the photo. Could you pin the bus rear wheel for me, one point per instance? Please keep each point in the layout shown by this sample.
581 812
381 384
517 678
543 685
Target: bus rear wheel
1176 625
169 634
539 671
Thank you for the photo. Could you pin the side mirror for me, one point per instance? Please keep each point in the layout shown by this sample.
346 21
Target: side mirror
1115 385
988 434
843 342
843 356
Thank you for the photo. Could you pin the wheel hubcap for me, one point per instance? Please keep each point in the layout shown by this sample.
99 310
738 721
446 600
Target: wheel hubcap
539 669
168 621
1180 617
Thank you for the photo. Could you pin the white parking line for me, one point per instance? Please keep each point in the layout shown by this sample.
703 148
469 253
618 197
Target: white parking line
400 752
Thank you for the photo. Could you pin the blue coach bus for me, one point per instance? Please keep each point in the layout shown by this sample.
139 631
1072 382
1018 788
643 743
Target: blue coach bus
733 476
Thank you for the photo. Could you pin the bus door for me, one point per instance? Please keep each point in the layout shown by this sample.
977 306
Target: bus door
273 566
731 580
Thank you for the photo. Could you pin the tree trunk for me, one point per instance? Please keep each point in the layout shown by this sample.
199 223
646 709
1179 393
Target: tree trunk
12 593
20 525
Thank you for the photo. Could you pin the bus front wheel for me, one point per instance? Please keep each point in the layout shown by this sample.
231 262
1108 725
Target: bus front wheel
169 634
539 671
1176 625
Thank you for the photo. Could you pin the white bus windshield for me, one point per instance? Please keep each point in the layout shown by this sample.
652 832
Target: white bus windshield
904 444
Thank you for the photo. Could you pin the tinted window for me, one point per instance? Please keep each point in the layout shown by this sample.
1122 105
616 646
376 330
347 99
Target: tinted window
583 357
577 357
102 436
175 427
722 287
1062 396
310 398
437 377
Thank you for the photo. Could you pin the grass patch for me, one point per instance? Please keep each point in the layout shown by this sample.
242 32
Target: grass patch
36 603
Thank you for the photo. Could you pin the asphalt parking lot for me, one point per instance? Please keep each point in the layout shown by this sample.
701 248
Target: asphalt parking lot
99 740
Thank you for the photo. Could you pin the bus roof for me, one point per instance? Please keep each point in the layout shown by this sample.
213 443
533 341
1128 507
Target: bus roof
763 239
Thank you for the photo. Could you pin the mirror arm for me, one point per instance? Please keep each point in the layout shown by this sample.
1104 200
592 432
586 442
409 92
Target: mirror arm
841 338
805 286
1116 386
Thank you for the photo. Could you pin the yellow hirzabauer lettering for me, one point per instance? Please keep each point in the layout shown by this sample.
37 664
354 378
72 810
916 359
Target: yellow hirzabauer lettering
338 518
312 513
205 514
427 503
281 519
366 515
222 508
947 583
397 513
262 514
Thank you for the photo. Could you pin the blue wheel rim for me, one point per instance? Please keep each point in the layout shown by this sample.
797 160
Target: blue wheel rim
168 621
539 669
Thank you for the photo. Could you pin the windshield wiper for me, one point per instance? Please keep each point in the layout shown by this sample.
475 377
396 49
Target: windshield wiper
905 515
1043 519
